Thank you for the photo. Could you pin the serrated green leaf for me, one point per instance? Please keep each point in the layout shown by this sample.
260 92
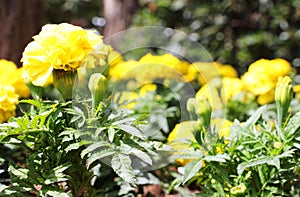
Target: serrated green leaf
131 130
100 155
138 153
297 145
217 158
258 161
121 164
191 169
32 102
254 118
293 124
111 134
20 173
93 147
76 145
58 194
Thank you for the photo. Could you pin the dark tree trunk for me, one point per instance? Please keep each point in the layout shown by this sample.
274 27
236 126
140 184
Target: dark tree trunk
118 16
19 21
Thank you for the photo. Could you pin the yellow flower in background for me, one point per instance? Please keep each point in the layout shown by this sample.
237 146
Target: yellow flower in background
147 88
11 75
262 76
227 71
8 102
206 71
219 91
114 58
63 46
180 138
124 70
266 98
231 87
222 126
212 91
125 99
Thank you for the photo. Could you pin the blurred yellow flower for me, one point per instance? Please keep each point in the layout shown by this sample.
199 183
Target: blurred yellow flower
206 71
125 99
180 138
8 102
147 88
262 76
11 75
220 91
231 87
114 58
227 71
63 46
222 126
123 70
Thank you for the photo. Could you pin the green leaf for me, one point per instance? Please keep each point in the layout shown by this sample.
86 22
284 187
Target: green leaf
254 118
20 173
293 124
32 102
258 161
191 169
100 155
138 153
217 158
93 147
131 130
56 175
121 164
111 134
76 145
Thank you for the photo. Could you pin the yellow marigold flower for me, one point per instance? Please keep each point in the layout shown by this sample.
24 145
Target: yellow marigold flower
231 87
124 70
211 91
126 99
207 71
147 88
223 126
182 132
63 46
11 75
227 71
266 98
8 102
218 91
262 76
192 73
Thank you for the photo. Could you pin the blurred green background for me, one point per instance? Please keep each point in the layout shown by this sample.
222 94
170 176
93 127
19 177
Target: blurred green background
236 32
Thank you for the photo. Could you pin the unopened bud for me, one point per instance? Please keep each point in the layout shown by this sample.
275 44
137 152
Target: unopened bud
283 97
98 87
64 82
203 109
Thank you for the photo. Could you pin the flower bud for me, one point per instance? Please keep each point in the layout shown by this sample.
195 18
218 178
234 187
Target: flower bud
64 82
203 109
191 104
283 97
97 86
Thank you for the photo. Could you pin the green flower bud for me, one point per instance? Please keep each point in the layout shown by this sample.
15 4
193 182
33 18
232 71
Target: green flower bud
191 104
98 87
283 97
63 81
203 109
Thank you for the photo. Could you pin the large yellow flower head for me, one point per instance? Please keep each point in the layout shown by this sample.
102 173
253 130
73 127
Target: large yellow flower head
262 77
63 46
8 102
11 75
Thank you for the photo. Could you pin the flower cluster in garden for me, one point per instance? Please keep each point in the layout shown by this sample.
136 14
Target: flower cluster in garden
12 87
61 47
